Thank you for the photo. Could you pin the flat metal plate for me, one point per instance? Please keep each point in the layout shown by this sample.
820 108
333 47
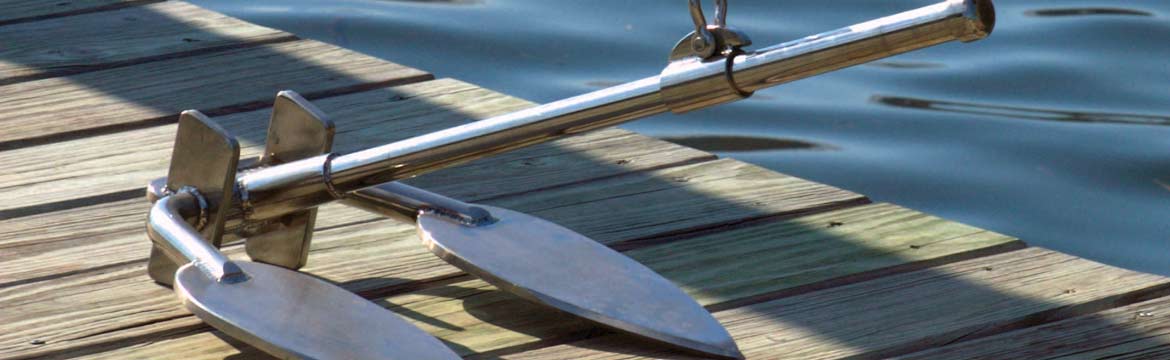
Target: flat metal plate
205 157
293 315
297 130
549 264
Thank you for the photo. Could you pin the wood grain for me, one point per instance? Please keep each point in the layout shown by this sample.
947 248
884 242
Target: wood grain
17 11
154 93
474 317
121 37
1138 331
904 313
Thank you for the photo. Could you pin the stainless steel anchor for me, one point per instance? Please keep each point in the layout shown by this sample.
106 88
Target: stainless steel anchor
205 199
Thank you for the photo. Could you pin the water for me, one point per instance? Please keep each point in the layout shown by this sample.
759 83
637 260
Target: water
1052 130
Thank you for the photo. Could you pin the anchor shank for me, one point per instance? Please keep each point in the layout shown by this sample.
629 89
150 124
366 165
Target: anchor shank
278 190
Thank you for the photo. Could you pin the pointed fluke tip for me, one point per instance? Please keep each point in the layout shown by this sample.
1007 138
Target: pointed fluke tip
723 350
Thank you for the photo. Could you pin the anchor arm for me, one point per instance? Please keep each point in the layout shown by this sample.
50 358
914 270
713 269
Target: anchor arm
405 202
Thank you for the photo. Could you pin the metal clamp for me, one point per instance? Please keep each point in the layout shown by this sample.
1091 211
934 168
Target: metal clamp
700 70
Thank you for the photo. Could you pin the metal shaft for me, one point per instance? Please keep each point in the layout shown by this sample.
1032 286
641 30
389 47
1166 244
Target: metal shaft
274 191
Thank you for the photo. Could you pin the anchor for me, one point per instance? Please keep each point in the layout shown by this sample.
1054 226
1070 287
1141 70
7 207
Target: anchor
210 196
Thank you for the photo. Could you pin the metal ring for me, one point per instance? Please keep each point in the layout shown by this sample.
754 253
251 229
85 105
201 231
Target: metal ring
327 177
203 211
729 72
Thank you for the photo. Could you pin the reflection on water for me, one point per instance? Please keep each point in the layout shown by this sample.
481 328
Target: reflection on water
743 143
1087 11
1019 112
1080 183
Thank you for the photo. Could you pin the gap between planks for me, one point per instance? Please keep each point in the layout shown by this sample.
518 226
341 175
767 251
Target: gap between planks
910 312
1137 331
21 11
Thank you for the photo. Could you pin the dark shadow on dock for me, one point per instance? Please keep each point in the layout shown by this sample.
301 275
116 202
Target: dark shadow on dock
533 320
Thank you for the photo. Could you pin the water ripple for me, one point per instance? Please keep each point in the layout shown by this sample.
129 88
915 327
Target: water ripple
1019 112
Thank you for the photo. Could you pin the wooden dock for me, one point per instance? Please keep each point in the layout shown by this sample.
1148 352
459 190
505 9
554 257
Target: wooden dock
90 91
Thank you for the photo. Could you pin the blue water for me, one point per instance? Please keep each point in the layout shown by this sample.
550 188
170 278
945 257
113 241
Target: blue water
1052 130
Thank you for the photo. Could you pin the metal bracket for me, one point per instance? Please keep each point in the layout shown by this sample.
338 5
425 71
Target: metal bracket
297 130
205 157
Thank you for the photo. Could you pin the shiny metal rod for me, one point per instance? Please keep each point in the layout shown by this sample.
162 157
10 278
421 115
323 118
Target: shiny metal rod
167 226
274 191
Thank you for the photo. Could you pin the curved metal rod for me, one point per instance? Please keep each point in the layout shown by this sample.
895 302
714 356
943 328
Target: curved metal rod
168 228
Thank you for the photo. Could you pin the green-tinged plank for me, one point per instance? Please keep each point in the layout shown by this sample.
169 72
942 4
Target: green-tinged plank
904 313
474 317
384 257
126 36
29 10
1138 331
40 180
155 92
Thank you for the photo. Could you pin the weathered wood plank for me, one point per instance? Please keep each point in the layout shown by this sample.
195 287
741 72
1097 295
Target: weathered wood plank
132 35
40 180
14 11
904 313
375 258
1138 331
153 93
474 317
